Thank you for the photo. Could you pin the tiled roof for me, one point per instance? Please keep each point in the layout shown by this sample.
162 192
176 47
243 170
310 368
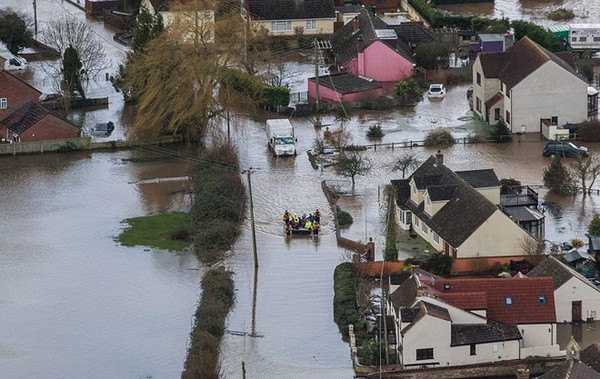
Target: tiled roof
494 99
470 301
558 271
439 193
344 83
522 214
24 116
414 33
402 191
408 314
290 9
467 334
571 369
458 219
344 41
519 61
349 8
436 311
524 293
480 178
405 294
591 356
9 81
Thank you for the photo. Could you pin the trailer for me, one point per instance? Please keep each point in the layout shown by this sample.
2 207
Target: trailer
583 40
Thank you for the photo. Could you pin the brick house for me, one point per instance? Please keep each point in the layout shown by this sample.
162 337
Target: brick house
14 92
31 122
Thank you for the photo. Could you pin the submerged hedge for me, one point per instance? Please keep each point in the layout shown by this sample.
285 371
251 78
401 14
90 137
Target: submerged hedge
218 294
219 198
344 298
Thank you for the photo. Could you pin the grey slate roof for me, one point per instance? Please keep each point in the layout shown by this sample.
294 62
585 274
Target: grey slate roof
460 216
290 9
437 311
344 41
519 61
571 369
439 193
347 83
591 356
408 314
522 214
480 178
414 33
467 334
405 294
559 272
24 116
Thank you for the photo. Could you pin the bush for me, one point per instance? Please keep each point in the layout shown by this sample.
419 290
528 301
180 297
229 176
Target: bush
576 242
344 218
438 137
561 14
375 131
558 178
181 235
371 352
500 132
441 264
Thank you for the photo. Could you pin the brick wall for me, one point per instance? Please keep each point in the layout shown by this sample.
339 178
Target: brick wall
16 91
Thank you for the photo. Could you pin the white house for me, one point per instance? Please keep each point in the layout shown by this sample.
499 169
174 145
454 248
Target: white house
530 88
197 23
455 218
576 298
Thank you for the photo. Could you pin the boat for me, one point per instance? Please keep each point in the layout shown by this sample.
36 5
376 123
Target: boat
305 225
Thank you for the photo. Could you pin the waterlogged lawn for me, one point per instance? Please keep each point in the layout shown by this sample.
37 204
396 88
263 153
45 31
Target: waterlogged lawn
158 231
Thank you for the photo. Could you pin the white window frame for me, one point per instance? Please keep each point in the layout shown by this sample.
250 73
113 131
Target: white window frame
281 26
424 228
436 238
311 25
3 103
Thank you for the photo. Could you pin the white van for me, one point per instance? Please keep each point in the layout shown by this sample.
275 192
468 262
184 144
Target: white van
9 61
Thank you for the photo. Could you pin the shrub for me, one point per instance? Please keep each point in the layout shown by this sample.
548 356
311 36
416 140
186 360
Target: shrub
375 131
594 227
440 264
589 131
344 218
500 132
558 178
561 14
371 352
181 235
576 242
438 137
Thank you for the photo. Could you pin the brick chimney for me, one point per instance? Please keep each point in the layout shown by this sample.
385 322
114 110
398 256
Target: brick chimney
355 24
439 157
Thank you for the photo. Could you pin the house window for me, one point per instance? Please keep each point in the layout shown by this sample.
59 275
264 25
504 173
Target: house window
554 120
473 349
478 79
582 39
542 300
3 103
423 354
416 221
311 25
508 300
573 39
507 117
478 104
496 114
281 26
424 228
436 238
596 39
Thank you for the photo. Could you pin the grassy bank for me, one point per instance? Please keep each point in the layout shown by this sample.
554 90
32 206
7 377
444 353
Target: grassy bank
209 326
167 231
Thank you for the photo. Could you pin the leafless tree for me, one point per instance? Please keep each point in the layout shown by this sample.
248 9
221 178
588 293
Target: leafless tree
585 170
405 162
351 164
532 246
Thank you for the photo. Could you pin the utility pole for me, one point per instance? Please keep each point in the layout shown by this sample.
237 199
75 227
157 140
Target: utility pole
35 18
316 74
383 314
249 171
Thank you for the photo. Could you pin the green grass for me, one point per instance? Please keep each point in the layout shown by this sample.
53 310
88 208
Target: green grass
156 231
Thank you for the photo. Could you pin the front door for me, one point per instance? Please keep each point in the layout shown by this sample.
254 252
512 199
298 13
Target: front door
576 311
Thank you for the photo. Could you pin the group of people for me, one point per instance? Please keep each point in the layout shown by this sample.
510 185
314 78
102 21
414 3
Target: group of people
294 222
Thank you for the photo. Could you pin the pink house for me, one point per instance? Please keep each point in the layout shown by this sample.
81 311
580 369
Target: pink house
368 47
344 87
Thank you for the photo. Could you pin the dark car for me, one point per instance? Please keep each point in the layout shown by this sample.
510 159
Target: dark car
564 149
102 129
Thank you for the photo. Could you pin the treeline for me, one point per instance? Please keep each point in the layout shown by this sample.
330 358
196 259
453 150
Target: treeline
218 296
219 198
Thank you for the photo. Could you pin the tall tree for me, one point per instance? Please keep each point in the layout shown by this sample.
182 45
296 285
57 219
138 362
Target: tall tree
72 72
15 30
68 32
404 163
351 164
147 27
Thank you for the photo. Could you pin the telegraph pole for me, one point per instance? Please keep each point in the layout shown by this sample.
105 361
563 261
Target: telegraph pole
35 18
316 74
249 171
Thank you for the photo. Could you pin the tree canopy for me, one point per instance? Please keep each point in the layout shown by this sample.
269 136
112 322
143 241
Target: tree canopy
15 30
594 227
351 164
558 178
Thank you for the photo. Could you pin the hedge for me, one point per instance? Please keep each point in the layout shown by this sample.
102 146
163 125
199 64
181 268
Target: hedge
344 299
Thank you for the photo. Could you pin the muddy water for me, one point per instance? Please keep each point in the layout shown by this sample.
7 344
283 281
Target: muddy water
73 303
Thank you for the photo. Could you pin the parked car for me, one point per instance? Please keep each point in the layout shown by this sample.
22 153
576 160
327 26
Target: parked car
437 91
102 129
564 149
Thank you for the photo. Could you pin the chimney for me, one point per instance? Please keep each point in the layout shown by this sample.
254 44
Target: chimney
360 47
355 24
523 373
439 157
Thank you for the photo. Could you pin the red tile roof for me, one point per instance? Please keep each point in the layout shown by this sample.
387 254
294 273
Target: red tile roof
525 307
373 269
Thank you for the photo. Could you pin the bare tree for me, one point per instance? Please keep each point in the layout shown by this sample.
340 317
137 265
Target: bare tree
405 162
338 138
532 246
351 164
69 34
585 170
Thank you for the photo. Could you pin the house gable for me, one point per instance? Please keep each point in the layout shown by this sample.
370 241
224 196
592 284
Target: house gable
290 9
15 91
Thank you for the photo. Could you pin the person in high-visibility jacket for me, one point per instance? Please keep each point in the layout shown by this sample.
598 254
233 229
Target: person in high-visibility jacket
296 219
308 225
286 217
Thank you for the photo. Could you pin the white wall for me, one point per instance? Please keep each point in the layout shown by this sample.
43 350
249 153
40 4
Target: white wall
549 91
491 193
419 336
538 334
575 290
488 88
497 236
